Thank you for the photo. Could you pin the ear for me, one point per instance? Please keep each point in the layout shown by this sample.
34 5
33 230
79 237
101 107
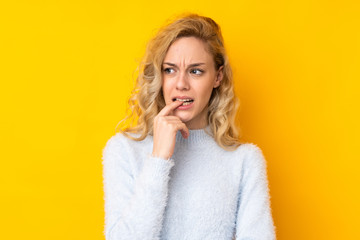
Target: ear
219 76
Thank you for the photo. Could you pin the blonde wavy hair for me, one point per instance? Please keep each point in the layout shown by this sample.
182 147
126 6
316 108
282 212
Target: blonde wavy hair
147 98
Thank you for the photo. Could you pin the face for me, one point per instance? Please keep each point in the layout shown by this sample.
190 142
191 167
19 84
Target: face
189 75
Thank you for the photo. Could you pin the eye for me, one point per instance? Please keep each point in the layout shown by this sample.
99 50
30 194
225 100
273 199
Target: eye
168 70
196 71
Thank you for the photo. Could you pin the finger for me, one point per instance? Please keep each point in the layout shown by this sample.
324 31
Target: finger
170 107
184 134
180 126
171 118
183 130
166 119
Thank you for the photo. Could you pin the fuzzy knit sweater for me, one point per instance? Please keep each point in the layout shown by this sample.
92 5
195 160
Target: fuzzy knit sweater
201 193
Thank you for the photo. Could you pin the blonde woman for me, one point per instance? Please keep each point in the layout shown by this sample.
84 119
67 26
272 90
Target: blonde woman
181 172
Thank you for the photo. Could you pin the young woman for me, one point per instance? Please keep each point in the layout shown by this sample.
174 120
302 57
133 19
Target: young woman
181 172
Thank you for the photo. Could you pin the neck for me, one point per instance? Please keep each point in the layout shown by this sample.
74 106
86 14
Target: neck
197 123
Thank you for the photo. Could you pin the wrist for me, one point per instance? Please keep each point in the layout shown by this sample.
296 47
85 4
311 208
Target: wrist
160 155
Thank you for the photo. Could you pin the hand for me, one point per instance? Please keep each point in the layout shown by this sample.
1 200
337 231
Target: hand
164 131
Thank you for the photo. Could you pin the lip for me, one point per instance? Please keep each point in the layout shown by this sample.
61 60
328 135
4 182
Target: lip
184 107
182 97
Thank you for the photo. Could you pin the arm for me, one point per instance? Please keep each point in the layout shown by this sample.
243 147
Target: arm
254 217
134 205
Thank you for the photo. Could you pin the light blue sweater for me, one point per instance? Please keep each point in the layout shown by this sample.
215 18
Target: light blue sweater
202 193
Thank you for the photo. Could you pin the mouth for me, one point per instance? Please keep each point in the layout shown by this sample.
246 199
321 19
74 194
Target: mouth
186 101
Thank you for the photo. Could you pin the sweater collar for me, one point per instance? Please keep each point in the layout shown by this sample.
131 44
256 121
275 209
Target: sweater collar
196 136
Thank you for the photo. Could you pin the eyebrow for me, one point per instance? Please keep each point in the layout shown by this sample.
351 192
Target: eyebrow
190 65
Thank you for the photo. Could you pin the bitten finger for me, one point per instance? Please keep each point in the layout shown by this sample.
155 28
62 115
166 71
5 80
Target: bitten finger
170 107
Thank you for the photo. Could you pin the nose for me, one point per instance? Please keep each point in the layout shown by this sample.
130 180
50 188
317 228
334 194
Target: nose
182 82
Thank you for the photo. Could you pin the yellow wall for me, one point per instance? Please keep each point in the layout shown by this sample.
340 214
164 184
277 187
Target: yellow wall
67 69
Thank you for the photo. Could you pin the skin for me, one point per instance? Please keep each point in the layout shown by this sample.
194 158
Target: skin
188 70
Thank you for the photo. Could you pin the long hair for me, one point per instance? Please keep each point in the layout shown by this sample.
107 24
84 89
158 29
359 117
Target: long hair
147 98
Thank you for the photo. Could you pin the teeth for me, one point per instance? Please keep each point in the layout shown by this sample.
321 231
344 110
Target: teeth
183 100
186 103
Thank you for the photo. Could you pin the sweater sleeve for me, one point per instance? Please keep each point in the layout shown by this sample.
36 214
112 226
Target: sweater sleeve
254 216
134 205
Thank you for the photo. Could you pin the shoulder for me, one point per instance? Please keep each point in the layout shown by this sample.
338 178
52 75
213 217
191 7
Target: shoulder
119 143
252 155
250 148
247 149
114 147
120 139
115 142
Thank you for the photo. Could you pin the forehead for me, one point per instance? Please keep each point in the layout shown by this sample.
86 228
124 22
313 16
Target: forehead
188 50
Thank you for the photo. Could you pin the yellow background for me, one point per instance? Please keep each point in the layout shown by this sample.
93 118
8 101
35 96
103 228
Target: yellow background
67 68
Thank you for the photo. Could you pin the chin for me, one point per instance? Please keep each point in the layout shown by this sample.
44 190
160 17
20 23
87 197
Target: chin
183 117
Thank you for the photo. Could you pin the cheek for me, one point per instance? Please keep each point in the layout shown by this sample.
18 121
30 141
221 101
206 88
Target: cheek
205 92
166 90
